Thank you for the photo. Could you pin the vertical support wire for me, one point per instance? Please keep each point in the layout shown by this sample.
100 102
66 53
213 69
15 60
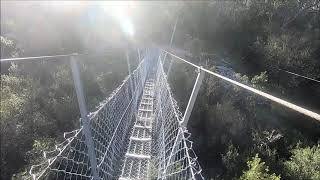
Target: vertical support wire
171 41
183 124
84 116
129 72
139 56
193 97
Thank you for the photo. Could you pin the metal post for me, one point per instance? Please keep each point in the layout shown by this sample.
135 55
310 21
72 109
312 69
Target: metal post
139 55
171 40
187 114
84 116
128 62
193 97
129 72
174 30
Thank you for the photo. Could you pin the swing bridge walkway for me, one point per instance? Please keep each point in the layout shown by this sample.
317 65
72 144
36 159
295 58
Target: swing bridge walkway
138 132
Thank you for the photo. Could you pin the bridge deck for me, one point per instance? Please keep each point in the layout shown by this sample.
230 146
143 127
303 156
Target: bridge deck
137 159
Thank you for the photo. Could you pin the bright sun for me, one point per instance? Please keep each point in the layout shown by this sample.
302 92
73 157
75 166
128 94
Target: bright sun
119 10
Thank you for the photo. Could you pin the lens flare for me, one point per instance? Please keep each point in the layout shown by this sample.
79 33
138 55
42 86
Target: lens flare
120 11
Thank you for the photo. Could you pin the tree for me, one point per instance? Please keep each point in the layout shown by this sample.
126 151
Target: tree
8 48
233 161
258 171
304 163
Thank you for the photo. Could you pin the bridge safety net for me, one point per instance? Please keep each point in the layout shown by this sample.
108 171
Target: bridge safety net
112 124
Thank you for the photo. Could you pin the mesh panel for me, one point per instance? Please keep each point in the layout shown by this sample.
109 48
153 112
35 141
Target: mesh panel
130 141
172 156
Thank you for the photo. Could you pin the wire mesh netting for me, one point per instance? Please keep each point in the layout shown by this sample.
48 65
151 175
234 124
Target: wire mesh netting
110 125
172 154
166 152
137 158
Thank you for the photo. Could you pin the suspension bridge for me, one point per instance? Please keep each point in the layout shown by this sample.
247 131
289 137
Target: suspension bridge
137 132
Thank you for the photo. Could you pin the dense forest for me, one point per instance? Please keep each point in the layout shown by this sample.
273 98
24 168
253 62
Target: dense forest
236 134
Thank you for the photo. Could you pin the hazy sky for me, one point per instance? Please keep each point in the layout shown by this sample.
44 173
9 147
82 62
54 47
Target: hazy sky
39 26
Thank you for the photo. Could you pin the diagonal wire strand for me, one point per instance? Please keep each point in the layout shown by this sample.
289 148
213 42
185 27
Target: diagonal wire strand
256 91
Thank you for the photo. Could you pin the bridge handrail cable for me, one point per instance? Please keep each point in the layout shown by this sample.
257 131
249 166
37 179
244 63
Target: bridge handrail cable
256 91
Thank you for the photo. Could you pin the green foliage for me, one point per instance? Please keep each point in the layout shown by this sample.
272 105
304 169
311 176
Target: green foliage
21 119
15 96
289 52
38 102
15 93
304 163
264 143
231 119
258 38
35 155
181 79
232 160
260 81
196 47
230 157
258 171
8 47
